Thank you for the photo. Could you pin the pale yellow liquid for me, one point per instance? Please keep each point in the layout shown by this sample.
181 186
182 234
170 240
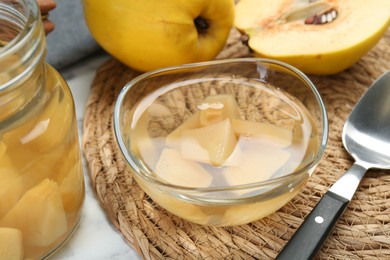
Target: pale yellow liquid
42 145
224 208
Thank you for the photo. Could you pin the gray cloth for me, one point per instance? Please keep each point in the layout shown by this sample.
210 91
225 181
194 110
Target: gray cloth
71 40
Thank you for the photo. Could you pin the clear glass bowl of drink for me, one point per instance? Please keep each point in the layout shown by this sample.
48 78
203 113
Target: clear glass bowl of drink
221 143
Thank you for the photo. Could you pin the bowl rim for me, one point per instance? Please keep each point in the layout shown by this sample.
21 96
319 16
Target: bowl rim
138 170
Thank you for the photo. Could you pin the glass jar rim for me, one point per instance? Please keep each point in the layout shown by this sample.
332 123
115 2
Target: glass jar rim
30 16
31 27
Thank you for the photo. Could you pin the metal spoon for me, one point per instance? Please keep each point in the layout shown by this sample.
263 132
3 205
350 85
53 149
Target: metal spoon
366 136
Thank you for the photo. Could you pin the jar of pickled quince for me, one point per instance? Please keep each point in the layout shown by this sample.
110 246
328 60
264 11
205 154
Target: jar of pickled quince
41 177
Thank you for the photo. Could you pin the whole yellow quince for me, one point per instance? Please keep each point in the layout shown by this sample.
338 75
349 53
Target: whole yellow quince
150 34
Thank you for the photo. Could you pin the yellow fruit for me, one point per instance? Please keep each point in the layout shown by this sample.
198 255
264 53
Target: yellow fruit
39 214
210 144
263 132
174 169
322 37
151 34
11 244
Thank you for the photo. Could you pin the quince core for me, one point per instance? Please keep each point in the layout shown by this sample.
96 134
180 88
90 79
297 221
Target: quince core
318 37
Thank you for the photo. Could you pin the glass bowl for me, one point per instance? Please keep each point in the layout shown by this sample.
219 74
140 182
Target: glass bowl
221 143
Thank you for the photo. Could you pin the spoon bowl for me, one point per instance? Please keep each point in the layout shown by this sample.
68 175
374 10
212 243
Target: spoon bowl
366 137
366 133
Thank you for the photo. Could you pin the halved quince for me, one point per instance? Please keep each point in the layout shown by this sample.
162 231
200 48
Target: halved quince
318 37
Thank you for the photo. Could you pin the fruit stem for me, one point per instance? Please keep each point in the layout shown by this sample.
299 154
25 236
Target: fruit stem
201 24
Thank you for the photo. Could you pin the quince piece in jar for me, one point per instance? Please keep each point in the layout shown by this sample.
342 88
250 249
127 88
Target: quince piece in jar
32 167
173 139
211 144
40 163
263 132
259 163
3 149
216 108
12 189
71 189
5 161
11 184
11 244
14 182
176 170
69 176
39 214
51 126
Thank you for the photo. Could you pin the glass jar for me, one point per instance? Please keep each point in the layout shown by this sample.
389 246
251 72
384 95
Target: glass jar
41 177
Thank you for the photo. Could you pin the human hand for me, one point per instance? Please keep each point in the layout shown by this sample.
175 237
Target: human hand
46 6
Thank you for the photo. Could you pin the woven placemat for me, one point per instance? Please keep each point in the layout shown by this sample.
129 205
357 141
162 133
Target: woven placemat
363 232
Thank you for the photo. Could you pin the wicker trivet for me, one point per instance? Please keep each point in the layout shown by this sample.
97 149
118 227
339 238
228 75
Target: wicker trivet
362 233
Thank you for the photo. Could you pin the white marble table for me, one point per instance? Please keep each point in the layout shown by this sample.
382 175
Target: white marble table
95 238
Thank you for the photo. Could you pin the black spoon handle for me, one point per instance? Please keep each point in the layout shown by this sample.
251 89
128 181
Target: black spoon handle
308 239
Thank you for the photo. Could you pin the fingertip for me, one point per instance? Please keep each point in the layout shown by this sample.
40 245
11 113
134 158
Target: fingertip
46 5
48 26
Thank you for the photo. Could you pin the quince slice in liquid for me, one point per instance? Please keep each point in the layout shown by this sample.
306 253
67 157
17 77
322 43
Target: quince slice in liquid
211 144
174 169
263 132
258 162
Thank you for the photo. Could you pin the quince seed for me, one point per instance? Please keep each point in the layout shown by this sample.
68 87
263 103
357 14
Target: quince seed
323 18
